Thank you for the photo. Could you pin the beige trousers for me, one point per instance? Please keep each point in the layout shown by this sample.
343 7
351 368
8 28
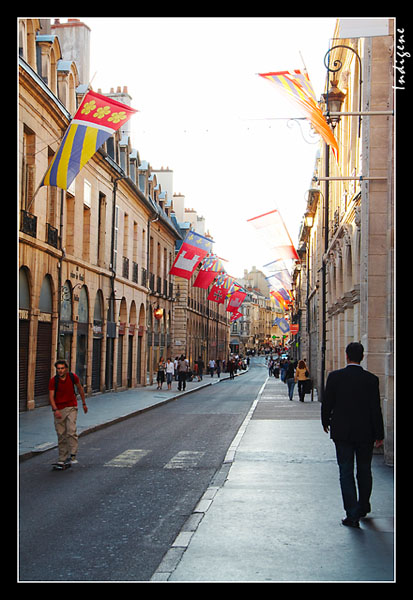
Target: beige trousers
67 438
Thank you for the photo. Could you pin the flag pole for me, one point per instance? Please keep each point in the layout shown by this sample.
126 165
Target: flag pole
302 60
35 193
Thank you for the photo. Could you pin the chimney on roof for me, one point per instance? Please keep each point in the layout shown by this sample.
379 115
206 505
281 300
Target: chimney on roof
74 40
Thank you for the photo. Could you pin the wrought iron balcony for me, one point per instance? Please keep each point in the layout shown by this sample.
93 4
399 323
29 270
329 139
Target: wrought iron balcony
28 223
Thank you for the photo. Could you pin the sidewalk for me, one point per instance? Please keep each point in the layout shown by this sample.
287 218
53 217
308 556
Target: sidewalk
277 517
36 427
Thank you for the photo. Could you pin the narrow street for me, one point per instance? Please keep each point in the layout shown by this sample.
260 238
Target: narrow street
115 514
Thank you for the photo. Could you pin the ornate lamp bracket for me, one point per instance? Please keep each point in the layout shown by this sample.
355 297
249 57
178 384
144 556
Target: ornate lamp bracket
337 66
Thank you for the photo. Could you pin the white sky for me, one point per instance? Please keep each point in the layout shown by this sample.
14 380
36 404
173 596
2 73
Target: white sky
204 112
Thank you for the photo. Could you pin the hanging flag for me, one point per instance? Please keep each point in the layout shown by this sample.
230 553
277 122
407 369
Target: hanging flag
279 299
96 119
210 267
271 228
297 87
284 326
204 279
280 279
235 301
194 248
235 315
284 293
218 292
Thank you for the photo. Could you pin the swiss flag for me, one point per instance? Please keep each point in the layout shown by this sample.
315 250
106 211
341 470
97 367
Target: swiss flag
235 301
194 248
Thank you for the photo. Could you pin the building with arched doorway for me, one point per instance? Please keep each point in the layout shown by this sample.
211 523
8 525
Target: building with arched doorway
93 259
345 289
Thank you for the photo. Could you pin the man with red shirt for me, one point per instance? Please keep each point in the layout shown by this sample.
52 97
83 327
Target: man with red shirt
62 397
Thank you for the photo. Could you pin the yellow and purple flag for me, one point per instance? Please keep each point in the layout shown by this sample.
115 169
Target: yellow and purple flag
297 87
96 119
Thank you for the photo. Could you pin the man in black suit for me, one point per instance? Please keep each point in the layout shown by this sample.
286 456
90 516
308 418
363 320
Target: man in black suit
351 412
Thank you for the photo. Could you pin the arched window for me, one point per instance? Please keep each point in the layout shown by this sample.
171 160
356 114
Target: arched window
24 289
45 300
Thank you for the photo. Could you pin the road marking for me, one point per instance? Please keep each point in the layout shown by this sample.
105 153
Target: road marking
186 459
127 459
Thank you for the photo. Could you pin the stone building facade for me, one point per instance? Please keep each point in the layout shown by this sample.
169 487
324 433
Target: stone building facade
93 259
255 330
348 247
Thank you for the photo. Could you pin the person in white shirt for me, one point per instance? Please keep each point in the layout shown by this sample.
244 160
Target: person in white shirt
170 370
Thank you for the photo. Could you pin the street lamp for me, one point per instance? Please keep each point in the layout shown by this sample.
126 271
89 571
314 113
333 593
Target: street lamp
333 99
309 219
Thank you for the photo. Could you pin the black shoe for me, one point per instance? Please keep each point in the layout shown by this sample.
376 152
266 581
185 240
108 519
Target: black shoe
365 512
350 523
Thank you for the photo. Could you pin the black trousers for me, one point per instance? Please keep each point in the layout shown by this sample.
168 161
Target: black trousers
356 500
181 381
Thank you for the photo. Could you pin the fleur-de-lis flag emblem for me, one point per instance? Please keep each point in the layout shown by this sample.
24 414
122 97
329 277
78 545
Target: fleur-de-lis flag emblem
96 119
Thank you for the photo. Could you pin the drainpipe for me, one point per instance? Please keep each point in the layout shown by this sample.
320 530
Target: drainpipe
323 272
60 266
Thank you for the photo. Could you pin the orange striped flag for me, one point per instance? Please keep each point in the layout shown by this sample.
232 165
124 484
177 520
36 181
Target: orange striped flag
297 87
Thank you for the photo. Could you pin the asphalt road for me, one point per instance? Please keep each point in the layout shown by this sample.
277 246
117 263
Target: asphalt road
113 516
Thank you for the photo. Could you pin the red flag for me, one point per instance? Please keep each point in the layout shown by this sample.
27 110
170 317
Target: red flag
209 270
217 294
235 315
236 300
194 248
204 279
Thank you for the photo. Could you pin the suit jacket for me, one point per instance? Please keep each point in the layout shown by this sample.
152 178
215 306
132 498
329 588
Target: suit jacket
351 405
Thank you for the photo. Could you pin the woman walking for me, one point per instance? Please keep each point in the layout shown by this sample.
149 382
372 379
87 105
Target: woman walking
301 375
160 378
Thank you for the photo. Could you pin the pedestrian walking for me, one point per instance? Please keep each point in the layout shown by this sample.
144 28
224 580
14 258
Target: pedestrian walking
218 368
283 368
170 371
183 368
351 412
201 367
301 376
231 368
289 378
160 377
63 400
212 367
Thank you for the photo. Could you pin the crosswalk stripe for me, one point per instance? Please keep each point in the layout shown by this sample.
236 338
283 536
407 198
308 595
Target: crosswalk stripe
127 459
185 459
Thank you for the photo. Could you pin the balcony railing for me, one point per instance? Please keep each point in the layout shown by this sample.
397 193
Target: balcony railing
28 223
125 267
135 272
52 237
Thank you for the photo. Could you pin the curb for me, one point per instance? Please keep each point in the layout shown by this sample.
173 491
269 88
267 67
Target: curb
49 446
175 553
